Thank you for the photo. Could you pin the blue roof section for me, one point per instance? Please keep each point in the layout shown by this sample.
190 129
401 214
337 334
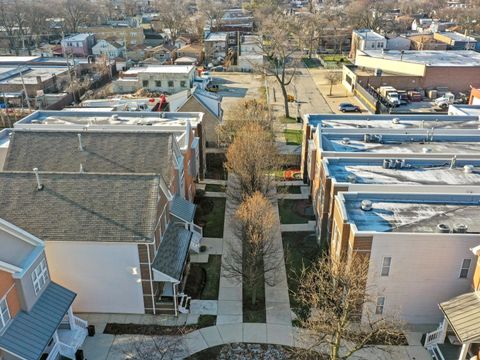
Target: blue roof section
30 332
183 209
173 251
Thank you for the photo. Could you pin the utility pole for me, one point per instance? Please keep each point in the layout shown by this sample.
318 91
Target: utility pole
65 56
25 89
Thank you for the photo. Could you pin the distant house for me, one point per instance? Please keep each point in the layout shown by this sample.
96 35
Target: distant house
33 309
130 35
192 51
215 46
79 45
457 41
474 96
110 49
156 78
426 42
398 43
185 60
165 53
199 100
181 41
367 40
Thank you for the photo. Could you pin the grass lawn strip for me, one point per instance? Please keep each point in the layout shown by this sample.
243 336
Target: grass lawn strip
293 137
288 215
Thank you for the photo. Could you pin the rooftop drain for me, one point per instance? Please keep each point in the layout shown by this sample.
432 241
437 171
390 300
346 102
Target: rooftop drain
426 150
345 141
396 120
352 178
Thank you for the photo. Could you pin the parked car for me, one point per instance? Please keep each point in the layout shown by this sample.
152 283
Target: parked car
347 107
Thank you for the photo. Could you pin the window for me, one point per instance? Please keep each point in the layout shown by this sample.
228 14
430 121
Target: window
373 45
380 305
387 261
158 83
183 83
4 313
465 268
170 83
145 83
40 276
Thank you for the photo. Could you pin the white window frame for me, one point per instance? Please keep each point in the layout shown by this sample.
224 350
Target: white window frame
465 268
380 305
39 275
4 317
386 268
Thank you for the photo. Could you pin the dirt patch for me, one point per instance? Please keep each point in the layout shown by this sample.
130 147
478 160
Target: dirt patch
136 329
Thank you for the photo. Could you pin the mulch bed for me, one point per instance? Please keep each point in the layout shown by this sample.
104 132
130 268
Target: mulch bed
135 329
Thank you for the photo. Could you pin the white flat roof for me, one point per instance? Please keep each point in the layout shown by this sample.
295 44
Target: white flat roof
163 69
458 58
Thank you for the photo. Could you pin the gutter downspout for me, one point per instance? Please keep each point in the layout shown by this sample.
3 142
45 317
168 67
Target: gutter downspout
150 275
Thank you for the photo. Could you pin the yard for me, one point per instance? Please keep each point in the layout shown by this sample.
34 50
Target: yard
215 168
301 250
290 189
295 211
311 62
210 215
204 279
293 137
215 188
335 58
254 313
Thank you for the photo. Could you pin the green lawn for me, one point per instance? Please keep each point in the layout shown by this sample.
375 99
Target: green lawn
211 269
335 58
293 137
311 63
215 188
215 168
289 189
301 250
290 211
210 215
289 120
206 321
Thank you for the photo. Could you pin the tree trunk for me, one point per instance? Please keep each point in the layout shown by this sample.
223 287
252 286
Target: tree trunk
285 100
331 87
254 295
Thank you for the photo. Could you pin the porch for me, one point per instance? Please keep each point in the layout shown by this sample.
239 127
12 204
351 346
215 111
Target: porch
68 338
458 335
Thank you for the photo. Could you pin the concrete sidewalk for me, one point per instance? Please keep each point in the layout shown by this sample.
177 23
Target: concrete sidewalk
230 291
277 301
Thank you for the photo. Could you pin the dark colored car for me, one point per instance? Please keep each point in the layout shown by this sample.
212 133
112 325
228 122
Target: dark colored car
347 107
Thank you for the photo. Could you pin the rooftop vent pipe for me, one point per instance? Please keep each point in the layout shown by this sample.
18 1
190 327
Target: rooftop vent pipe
352 178
443 228
346 141
39 183
366 205
396 120
468 169
80 145
426 150
460 228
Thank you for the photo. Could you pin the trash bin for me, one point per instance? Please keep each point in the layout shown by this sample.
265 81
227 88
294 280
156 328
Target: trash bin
91 330
79 354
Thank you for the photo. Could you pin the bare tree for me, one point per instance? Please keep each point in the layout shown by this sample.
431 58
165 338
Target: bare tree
212 11
278 43
241 114
76 13
174 16
336 294
252 158
333 78
255 258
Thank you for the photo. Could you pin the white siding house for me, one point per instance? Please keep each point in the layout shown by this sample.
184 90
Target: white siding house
110 49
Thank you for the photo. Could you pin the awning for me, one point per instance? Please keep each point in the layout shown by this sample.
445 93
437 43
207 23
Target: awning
183 209
173 251
463 315
30 332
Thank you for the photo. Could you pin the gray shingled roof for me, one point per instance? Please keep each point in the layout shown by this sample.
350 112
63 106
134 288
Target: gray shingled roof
81 207
183 209
103 152
30 332
463 314
173 251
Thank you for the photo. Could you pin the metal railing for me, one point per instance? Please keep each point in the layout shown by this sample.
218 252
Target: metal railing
197 229
80 322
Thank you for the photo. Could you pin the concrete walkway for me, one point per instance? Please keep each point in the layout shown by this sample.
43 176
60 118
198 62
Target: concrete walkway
277 301
230 291
292 196
310 226
215 194
213 182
